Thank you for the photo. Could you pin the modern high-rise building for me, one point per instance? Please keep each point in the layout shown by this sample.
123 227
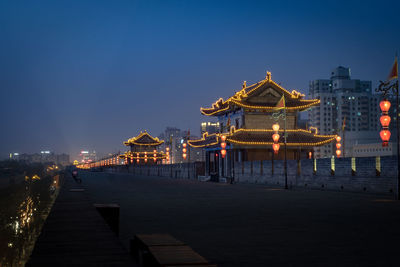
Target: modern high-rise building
174 138
209 127
348 108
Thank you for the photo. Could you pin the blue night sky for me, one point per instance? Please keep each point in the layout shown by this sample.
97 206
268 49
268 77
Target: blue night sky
89 74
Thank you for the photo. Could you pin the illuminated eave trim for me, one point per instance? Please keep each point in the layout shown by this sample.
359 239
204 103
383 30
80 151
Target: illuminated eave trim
288 144
205 135
280 130
243 94
315 102
133 139
141 144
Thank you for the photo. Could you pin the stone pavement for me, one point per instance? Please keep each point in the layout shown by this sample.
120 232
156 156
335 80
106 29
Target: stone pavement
255 225
75 234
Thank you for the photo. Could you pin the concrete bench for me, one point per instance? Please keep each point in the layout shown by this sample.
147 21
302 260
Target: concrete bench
164 250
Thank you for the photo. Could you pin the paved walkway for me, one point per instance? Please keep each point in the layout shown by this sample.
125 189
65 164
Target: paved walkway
253 225
74 234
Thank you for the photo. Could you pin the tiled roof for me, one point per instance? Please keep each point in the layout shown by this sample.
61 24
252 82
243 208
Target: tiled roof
207 140
294 100
144 139
298 137
260 137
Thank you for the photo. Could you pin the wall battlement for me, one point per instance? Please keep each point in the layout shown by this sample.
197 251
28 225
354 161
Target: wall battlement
371 175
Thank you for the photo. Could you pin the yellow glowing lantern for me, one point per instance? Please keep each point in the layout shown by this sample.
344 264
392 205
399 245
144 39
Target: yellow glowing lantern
223 153
275 137
275 127
275 147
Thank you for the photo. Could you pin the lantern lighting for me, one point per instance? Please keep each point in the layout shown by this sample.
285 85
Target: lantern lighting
275 137
338 145
385 135
223 153
223 145
338 152
385 120
184 155
275 127
275 147
384 105
184 150
184 144
338 138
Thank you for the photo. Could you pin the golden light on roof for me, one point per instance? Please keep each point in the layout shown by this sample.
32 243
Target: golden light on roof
220 106
133 140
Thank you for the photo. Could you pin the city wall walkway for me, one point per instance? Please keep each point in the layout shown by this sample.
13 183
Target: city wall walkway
255 225
75 234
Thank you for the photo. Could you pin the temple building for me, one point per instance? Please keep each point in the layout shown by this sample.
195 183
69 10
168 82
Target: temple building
143 150
246 121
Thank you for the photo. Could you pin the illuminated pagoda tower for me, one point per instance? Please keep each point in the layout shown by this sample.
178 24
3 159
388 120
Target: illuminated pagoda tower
246 121
143 150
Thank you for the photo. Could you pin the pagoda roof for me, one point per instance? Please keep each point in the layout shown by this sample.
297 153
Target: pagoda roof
263 95
262 137
144 139
205 141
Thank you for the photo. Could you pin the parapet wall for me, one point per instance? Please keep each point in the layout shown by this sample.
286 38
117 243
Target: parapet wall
357 174
182 170
350 174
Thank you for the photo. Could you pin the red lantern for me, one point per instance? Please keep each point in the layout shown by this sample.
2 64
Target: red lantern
385 135
184 155
310 155
385 120
275 147
223 138
167 149
184 144
184 150
275 127
338 138
338 145
223 153
275 137
384 105
223 145
338 152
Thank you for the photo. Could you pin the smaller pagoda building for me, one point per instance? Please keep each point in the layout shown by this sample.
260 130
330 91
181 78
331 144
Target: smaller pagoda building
143 150
246 121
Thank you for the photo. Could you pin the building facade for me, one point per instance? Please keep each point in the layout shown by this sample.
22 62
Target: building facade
246 121
143 150
174 139
348 108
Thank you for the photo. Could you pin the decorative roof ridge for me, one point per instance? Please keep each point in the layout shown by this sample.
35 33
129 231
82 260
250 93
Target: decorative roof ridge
133 140
222 105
